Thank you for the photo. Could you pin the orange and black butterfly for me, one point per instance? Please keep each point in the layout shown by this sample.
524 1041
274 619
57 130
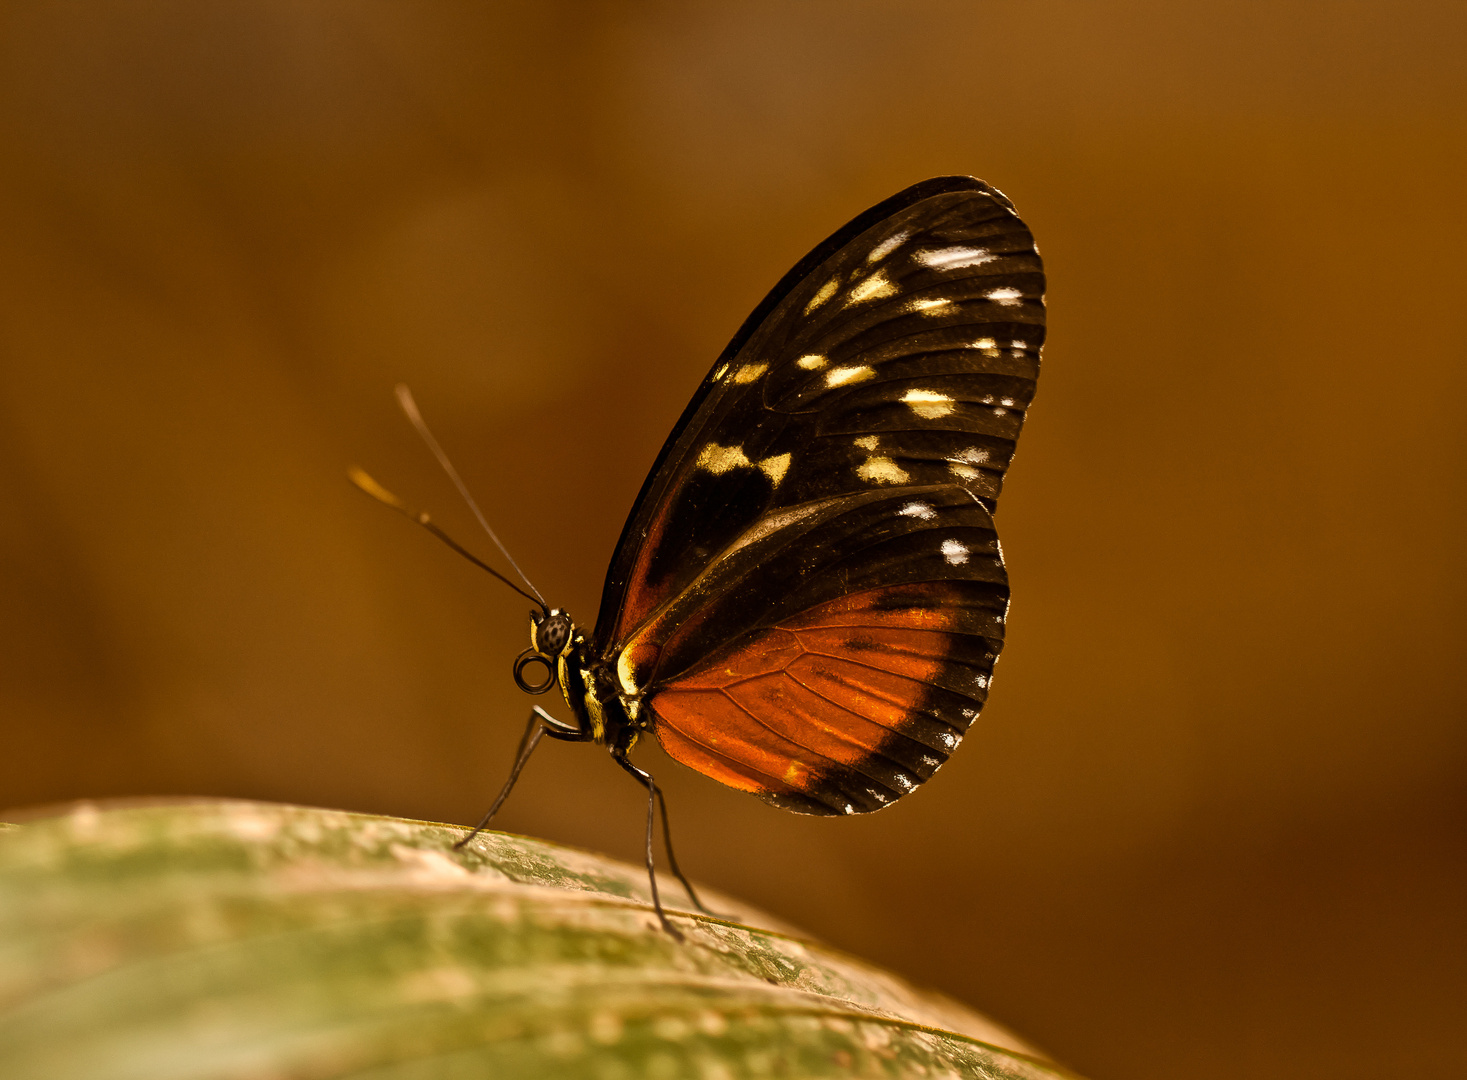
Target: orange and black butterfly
809 595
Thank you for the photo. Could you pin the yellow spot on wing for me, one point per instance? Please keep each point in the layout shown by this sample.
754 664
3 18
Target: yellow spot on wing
887 246
719 459
842 376
775 467
868 442
882 470
928 404
931 307
873 288
812 361
826 292
749 372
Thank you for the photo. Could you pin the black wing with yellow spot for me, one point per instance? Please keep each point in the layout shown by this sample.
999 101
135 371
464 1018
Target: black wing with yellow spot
809 594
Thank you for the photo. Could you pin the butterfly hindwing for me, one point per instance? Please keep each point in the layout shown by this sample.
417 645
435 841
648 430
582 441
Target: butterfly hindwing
809 594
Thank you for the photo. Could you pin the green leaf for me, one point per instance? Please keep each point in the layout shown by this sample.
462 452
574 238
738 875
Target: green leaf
238 940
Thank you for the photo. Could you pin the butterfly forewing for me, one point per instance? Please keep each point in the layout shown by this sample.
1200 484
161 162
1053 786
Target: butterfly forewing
809 594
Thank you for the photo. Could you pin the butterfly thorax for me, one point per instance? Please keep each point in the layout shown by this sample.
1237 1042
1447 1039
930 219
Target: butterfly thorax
584 682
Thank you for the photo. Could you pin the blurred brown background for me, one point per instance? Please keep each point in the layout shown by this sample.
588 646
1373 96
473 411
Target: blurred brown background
1211 824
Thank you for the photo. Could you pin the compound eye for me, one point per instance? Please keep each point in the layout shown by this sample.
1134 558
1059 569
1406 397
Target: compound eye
553 634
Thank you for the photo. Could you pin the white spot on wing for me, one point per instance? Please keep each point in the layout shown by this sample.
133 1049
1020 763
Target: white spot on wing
842 376
918 510
812 361
882 470
1007 297
955 258
720 459
954 552
962 471
975 454
887 246
749 372
868 442
929 307
775 467
928 404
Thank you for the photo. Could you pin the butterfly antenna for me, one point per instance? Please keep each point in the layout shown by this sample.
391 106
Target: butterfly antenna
418 517
410 408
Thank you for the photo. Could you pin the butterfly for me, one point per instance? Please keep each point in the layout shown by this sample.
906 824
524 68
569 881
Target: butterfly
808 597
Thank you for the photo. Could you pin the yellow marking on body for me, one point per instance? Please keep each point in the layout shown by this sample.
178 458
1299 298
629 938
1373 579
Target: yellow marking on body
928 404
775 467
749 372
812 361
826 292
842 376
882 470
868 442
593 708
562 676
873 288
720 459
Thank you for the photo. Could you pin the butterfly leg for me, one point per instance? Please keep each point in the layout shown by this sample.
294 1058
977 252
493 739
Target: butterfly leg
541 724
671 858
654 793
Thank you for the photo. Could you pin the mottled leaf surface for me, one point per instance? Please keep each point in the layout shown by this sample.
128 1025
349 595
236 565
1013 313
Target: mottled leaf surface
239 940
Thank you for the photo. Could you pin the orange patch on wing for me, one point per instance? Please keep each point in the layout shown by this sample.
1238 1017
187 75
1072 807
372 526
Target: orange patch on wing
707 731
825 690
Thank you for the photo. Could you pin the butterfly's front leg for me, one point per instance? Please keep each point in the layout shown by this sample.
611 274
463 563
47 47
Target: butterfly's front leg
541 724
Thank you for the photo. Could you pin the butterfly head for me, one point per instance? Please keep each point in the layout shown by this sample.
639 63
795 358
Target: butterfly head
551 633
